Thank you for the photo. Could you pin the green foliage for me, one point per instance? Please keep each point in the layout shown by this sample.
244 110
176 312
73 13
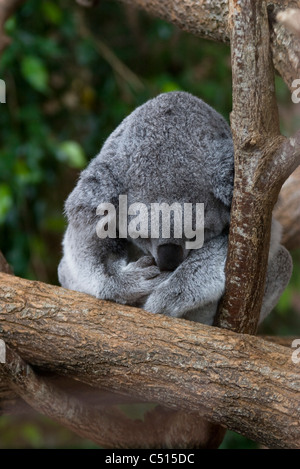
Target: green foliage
34 71
234 441
6 200
64 97
37 432
71 153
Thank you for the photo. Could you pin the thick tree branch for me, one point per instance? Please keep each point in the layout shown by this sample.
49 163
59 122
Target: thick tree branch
116 64
106 426
241 382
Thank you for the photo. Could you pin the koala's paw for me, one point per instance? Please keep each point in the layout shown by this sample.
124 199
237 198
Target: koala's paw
165 300
140 279
144 266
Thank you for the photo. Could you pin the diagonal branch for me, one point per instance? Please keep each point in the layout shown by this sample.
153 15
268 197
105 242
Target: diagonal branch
241 382
107 426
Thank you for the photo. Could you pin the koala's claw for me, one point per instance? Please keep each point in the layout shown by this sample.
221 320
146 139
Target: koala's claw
143 268
145 261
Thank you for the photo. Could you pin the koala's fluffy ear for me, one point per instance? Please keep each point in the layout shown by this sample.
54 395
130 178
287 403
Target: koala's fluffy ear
223 176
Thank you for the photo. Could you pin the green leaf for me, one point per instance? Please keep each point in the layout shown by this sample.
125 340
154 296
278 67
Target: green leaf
52 12
32 434
10 25
72 153
26 175
34 71
170 86
284 302
6 201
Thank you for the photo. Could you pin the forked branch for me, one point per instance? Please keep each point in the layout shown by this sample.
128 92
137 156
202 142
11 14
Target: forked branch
263 161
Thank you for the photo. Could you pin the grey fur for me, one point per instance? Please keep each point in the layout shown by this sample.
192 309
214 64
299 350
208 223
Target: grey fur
174 148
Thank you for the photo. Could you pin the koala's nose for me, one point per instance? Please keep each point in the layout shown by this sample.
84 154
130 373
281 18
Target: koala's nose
169 256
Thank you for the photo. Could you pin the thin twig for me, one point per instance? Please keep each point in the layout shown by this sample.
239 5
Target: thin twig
116 64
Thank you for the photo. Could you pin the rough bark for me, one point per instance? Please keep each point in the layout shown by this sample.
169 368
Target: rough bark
11 403
263 160
242 382
109 427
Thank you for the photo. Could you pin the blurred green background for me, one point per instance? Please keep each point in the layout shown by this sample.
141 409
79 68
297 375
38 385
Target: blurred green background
72 75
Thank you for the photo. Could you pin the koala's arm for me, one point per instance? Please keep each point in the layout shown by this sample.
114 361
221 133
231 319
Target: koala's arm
100 267
280 267
195 287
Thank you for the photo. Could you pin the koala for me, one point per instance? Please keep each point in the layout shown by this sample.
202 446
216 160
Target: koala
173 148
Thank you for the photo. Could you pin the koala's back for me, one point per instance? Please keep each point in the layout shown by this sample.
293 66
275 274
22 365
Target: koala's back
175 141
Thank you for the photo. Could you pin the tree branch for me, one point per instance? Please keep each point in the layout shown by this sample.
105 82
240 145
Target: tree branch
106 426
210 21
263 160
87 3
175 379
241 382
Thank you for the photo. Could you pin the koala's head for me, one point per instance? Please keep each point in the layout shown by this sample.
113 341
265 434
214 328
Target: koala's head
176 149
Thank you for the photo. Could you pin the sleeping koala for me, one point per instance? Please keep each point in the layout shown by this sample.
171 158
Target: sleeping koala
174 149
